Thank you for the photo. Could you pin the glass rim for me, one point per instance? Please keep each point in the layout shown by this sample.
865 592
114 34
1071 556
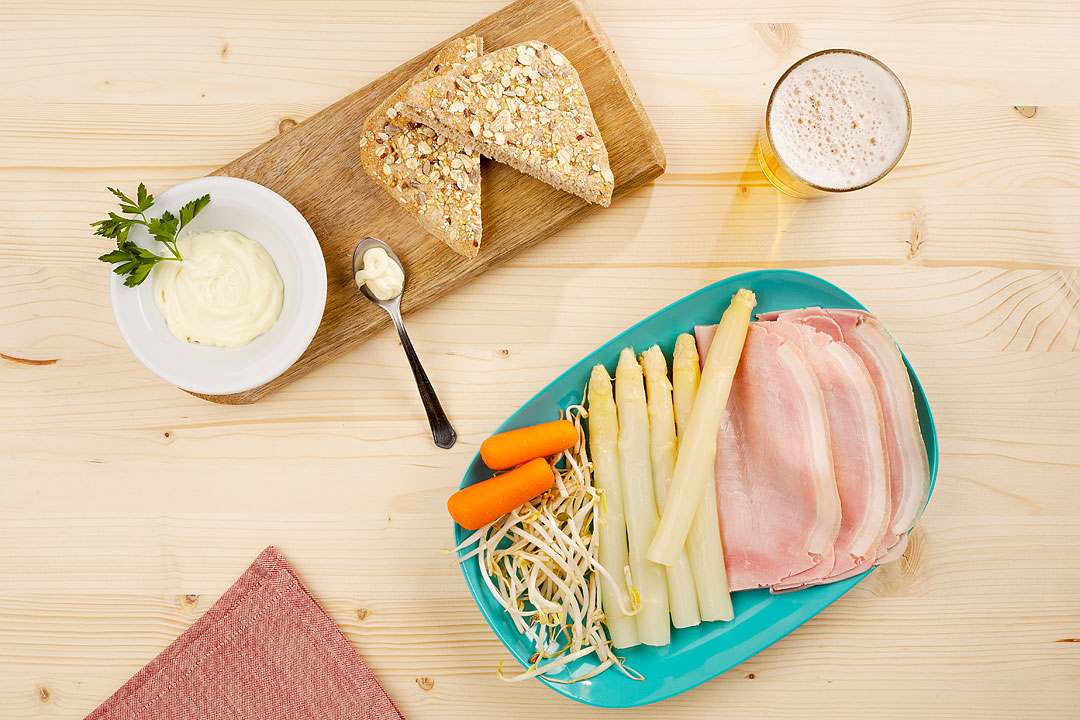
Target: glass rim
831 51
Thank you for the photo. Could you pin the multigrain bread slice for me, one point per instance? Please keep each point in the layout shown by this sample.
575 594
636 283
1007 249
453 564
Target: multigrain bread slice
525 106
434 177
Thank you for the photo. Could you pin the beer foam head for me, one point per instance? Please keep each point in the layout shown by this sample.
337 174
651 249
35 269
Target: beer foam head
839 120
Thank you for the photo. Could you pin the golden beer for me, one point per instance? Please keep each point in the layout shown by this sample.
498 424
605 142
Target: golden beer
837 121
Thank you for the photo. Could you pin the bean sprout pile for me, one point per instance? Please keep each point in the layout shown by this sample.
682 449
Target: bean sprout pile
540 564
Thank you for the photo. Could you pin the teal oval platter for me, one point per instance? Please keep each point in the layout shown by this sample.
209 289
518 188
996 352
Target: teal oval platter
700 653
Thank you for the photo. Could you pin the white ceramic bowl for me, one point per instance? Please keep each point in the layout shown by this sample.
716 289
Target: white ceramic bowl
266 217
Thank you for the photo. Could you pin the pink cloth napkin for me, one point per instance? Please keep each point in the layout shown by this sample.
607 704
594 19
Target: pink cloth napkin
264 651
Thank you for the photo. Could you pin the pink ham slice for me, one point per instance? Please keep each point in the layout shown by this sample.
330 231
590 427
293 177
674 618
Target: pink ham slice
779 507
909 469
883 556
857 434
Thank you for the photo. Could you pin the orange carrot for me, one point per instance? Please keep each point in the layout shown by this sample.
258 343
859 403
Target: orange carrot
512 448
477 505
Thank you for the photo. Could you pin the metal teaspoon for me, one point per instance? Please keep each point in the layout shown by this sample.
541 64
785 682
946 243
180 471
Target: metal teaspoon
442 432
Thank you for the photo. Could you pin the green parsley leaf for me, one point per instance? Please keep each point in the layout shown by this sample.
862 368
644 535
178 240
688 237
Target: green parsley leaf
122 196
146 200
114 227
140 273
115 256
164 228
191 209
127 268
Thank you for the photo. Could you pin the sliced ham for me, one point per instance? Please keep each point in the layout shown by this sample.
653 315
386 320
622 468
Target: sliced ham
884 555
909 469
776 490
857 435
894 552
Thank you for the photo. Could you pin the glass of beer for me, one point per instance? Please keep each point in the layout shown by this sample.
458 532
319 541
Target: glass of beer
837 121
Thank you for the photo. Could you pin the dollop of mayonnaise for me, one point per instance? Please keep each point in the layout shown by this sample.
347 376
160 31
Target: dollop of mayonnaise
226 292
381 274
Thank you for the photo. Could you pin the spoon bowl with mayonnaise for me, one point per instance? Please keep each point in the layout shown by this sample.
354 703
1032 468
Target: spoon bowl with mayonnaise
381 278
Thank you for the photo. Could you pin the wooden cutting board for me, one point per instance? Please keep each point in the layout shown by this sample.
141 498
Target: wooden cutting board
316 166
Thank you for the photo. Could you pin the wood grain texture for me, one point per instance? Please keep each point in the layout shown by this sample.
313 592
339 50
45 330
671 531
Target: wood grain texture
127 507
316 166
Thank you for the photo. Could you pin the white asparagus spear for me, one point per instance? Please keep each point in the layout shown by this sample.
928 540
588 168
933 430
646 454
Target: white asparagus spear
685 377
697 453
682 597
703 545
611 526
639 501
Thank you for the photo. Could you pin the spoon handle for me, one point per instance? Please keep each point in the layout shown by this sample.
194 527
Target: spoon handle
442 432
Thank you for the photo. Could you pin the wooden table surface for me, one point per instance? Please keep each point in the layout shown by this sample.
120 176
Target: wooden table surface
127 507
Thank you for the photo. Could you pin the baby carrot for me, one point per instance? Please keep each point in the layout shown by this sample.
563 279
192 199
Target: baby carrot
477 505
514 447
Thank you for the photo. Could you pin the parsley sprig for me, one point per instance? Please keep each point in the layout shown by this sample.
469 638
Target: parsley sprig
130 259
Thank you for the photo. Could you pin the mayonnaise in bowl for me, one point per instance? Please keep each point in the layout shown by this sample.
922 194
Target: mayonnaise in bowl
226 291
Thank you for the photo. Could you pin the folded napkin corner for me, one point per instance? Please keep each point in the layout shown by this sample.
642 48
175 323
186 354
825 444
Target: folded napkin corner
265 650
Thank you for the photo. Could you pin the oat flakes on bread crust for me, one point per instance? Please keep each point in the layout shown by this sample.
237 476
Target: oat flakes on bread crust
525 106
435 178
